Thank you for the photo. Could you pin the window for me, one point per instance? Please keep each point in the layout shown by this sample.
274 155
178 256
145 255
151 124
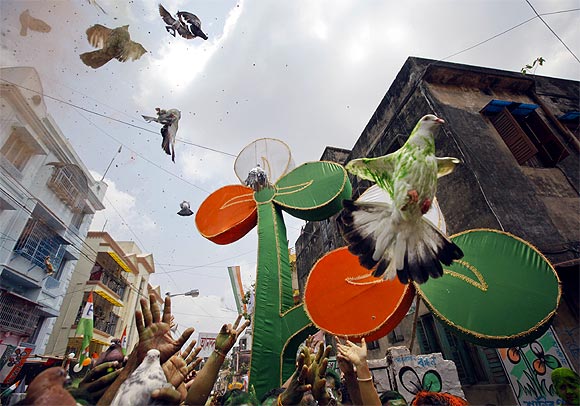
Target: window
396 335
474 364
77 219
571 120
37 242
18 315
526 134
16 151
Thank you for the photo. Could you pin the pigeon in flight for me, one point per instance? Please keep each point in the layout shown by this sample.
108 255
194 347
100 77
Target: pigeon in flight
29 22
114 43
180 25
194 23
395 238
185 209
137 388
170 120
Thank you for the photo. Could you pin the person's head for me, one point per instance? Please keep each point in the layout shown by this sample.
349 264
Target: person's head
237 397
426 398
567 385
392 398
333 383
270 398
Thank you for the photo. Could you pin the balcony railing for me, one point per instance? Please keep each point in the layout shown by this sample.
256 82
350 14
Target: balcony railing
37 242
104 276
103 318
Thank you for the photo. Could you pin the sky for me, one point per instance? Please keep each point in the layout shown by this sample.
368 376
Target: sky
309 73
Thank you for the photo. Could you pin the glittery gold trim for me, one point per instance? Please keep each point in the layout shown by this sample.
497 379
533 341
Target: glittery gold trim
481 284
281 361
238 199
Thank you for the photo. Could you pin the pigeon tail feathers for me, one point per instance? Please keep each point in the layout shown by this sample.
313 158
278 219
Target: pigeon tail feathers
413 251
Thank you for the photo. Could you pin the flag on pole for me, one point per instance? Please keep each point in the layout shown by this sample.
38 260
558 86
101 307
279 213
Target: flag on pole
124 341
85 327
236 281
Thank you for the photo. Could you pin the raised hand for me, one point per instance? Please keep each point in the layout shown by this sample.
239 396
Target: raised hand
153 330
315 376
297 385
228 335
180 366
355 354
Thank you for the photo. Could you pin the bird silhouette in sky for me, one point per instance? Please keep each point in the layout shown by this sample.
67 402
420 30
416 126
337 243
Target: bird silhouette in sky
185 209
114 43
34 24
170 120
186 24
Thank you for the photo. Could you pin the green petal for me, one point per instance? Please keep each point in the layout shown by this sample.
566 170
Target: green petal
314 191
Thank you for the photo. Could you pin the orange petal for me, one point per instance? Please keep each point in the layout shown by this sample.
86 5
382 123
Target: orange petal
342 298
227 214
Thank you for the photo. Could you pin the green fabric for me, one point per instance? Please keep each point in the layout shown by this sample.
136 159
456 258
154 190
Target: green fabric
313 191
511 301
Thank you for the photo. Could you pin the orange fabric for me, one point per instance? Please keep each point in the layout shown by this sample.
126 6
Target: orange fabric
227 214
342 298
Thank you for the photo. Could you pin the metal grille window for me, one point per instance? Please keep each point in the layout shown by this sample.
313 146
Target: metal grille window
18 315
38 241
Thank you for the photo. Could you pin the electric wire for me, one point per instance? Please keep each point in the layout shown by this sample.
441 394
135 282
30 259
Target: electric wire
552 31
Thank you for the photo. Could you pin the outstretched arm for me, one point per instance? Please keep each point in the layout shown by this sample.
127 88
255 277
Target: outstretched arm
358 356
203 383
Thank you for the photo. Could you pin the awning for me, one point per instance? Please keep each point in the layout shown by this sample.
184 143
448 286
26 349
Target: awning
109 298
119 261
517 109
96 340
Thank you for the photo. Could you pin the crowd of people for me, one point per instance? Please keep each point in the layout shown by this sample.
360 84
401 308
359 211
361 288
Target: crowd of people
158 371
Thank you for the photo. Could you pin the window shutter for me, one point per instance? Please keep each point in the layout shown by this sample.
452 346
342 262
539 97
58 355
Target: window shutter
514 137
552 149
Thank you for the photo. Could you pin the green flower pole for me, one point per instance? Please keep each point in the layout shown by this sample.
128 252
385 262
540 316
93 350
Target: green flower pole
313 191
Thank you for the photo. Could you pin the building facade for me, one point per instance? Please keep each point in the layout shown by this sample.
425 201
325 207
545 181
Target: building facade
47 201
117 273
517 138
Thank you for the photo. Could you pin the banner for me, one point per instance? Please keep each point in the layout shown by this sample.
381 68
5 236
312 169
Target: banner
207 343
529 369
13 359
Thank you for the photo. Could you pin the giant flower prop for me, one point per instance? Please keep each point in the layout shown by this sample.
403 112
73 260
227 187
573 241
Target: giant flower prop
313 191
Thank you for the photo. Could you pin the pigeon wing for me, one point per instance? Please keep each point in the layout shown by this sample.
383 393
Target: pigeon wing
378 170
98 35
166 16
132 50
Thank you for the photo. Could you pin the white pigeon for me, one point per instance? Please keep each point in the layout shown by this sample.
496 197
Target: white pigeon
170 120
185 209
137 388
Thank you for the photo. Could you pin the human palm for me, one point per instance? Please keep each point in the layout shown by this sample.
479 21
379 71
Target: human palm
228 335
154 330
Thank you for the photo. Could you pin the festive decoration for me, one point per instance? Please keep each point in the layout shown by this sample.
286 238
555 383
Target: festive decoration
503 293
394 238
312 191
343 298
352 303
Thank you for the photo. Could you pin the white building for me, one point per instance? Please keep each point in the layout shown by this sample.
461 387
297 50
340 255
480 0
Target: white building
47 201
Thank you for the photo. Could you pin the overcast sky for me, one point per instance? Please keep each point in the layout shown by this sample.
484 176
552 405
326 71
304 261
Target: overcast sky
308 72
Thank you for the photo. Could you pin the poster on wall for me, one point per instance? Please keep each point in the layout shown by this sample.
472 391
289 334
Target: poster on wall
11 362
529 369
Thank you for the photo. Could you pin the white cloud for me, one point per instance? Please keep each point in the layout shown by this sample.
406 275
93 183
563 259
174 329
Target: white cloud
120 204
